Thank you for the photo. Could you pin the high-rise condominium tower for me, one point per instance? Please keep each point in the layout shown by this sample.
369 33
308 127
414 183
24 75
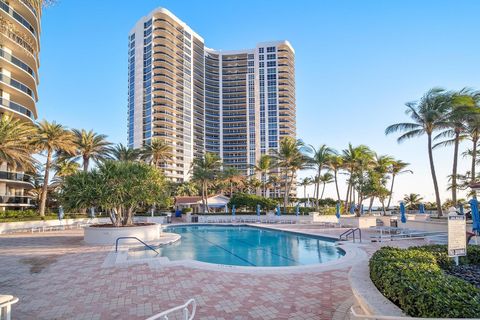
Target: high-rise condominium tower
19 48
238 104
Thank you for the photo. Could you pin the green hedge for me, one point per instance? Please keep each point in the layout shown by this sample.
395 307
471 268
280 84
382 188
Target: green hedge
32 215
414 280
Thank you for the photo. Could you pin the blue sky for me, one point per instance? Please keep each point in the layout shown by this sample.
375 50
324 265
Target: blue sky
357 63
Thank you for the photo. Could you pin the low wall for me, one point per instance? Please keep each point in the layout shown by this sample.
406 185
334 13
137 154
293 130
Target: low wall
160 219
359 222
5 226
108 236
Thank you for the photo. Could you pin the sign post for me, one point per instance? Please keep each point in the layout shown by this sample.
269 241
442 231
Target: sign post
457 241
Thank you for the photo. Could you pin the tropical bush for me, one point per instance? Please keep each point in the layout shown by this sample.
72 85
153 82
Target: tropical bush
413 279
121 188
250 201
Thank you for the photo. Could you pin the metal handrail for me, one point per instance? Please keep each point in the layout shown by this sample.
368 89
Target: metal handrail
186 315
352 231
146 245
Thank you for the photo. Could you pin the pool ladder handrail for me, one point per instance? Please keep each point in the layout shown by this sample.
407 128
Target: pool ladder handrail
351 231
146 245
186 315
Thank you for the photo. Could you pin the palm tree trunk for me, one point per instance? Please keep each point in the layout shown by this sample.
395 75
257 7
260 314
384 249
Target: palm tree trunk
434 175
317 185
454 169
347 197
474 157
43 199
203 197
323 190
371 204
285 196
85 163
336 185
391 191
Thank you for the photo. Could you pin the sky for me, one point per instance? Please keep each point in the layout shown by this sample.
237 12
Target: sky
357 63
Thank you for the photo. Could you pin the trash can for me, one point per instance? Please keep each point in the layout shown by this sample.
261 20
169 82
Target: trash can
169 218
178 213
195 219
394 223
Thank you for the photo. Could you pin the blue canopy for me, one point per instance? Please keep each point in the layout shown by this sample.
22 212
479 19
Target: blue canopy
403 217
475 215
258 210
352 208
297 210
60 213
233 210
278 210
337 208
421 208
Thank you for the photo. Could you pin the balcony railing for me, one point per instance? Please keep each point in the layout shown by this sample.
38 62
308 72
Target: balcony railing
16 107
17 84
15 176
5 7
19 63
12 199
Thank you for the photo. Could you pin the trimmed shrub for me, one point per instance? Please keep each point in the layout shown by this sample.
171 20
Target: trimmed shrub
250 201
414 281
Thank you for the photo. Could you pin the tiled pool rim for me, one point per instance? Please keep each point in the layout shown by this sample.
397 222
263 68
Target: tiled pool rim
352 255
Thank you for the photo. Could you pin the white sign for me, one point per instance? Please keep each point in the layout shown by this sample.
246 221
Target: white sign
457 235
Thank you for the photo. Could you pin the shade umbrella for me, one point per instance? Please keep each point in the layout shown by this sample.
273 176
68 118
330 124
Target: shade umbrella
258 210
352 208
460 209
403 216
233 210
337 209
60 213
297 210
362 212
475 215
421 208
92 212
278 210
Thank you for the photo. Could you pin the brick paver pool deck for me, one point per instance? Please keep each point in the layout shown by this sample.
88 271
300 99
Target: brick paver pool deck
56 276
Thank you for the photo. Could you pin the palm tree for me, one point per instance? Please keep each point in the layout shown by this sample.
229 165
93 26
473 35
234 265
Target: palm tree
397 167
335 164
463 106
232 177
187 188
64 167
274 181
123 153
428 114
15 138
156 152
289 159
412 200
91 146
204 171
325 179
381 167
473 132
51 137
263 167
305 182
318 160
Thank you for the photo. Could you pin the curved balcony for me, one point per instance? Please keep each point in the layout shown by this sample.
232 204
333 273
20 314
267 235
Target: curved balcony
13 200
18 18
17 62
16 177
17 108
17 85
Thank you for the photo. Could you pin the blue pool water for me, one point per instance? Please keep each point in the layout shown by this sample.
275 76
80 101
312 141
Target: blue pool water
248 246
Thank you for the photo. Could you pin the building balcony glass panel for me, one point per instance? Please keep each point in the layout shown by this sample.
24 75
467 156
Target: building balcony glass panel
16 177
16 107
19 63
12 199
17 84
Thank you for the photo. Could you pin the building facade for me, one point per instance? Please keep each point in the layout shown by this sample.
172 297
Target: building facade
19 62
237 104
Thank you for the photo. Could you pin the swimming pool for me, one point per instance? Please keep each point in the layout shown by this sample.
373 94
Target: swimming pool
245 246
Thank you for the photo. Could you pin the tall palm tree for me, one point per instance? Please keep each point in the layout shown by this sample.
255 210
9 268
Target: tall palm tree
335 164
473 132
121 152
274 181
397 167
204 171
63 167
317 160
381 168
290 159
156 152
428 114
232 177
51 137
325 179
15 146
91 146
305 182
463 106
263 167
412 200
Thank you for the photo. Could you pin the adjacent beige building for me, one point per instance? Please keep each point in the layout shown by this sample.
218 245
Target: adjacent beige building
237 104
19 49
